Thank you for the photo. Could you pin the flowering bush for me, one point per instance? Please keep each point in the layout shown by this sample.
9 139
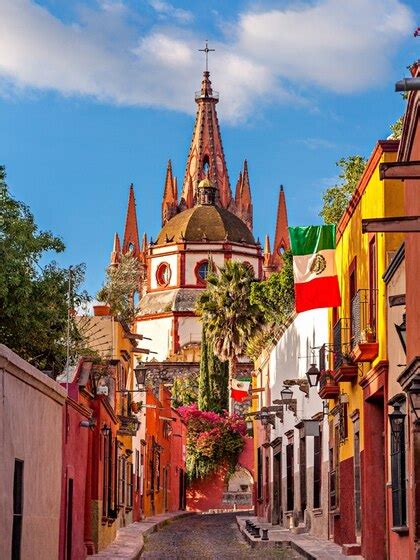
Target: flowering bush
213 440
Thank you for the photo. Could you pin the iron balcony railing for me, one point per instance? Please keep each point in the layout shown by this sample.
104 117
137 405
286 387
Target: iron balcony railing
341 341
323 358
363 317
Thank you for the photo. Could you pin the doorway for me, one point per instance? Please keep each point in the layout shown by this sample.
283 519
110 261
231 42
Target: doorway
277 510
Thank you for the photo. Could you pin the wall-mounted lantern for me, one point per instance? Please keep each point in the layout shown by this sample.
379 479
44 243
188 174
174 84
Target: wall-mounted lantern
402 333
396 420
313 375
413 393
286 393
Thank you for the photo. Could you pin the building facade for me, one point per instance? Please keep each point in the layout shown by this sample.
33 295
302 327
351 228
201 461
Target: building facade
291 450
356 374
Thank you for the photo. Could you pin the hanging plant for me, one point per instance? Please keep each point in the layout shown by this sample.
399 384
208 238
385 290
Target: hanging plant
213 441
136 407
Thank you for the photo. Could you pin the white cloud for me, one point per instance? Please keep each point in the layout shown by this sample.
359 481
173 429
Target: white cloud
266 56
166 10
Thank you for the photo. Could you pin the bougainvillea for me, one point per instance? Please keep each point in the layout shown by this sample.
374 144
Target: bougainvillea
213 440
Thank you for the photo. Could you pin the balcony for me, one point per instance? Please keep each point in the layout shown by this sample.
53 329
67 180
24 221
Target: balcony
364 344
328 387
344 367
129 425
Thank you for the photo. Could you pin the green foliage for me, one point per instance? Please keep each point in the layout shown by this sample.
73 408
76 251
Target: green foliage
228 316
214 441
213 391
34 300
397 128
185 390
120 284
336 198
275 296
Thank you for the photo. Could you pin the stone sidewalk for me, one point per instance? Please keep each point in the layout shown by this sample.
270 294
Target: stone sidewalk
306 545
129 542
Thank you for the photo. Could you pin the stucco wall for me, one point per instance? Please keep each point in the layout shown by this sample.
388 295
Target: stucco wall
160 332
31 422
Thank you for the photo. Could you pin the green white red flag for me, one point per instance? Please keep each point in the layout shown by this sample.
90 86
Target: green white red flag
239 388
316 282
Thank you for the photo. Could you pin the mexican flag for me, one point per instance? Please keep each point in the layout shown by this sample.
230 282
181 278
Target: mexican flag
316 282
239 388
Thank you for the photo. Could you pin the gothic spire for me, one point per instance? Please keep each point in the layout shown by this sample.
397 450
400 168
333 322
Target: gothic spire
206 151
170 195
281 239
243 198
131 234
116 251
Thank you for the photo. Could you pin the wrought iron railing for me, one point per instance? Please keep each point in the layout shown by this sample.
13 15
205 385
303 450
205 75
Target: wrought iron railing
363 317
323 358
341 341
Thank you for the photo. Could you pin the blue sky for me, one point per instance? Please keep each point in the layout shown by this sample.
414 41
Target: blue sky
97 94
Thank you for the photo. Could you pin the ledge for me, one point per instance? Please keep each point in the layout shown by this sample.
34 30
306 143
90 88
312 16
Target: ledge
404 530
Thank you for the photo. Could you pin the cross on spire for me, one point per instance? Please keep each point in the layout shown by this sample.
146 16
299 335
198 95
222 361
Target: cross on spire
207 50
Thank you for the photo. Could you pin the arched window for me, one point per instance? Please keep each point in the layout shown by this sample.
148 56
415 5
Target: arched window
206 165
163 274
201 271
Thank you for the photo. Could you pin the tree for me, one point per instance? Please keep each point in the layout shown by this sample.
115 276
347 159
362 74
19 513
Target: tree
397 128
228 316
213 389
336 198
275 296
34 306
120 285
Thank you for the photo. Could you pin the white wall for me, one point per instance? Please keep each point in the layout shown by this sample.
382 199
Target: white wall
189 330
160 331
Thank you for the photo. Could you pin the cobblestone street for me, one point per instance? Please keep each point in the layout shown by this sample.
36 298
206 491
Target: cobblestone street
206 537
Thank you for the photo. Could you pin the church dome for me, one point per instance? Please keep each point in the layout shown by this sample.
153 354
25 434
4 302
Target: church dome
205 222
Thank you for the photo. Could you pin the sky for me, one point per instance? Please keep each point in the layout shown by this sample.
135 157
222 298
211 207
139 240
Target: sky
97 94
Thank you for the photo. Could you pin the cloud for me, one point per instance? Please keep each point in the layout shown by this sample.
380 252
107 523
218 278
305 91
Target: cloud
316 143
166 10
266 56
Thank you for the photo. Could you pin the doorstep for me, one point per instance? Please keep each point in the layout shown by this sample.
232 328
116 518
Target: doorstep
129 541
309 547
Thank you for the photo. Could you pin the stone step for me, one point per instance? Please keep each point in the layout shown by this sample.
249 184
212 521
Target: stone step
351 549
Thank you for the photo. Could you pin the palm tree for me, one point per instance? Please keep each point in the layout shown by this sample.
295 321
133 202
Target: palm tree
228 317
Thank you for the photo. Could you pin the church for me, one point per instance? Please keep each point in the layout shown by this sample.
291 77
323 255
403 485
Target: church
204 222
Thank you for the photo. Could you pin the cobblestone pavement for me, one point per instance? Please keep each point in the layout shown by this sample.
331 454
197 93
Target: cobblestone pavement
206 537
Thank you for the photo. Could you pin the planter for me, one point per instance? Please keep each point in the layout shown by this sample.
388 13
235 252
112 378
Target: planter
365 351
101 310
346 372
328 387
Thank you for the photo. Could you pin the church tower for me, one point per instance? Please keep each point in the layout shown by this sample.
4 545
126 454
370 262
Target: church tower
170 196
243 198
206 151
273 260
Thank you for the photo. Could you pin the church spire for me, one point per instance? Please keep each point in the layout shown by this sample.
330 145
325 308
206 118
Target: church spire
243 198
206 151
131 234
281 239
170 196
116 251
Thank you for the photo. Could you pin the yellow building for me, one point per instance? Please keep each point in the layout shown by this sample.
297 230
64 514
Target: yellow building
357 363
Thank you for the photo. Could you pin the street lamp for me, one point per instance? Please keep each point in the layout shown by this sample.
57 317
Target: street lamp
286 393
402 333
264 415
313 375
413 393
140 371
396 420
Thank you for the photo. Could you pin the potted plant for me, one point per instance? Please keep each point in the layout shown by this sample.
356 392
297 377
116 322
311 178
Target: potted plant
136 406
367 335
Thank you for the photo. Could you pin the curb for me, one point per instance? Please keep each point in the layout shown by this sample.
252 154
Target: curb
129 542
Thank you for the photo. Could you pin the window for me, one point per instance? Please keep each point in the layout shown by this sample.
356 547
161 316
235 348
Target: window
317 470
357 484
302 473
121 480
201 271
398 478
373 283
267 479
137 471
17 509
163 274
290 477
260 475
129 486
334 469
